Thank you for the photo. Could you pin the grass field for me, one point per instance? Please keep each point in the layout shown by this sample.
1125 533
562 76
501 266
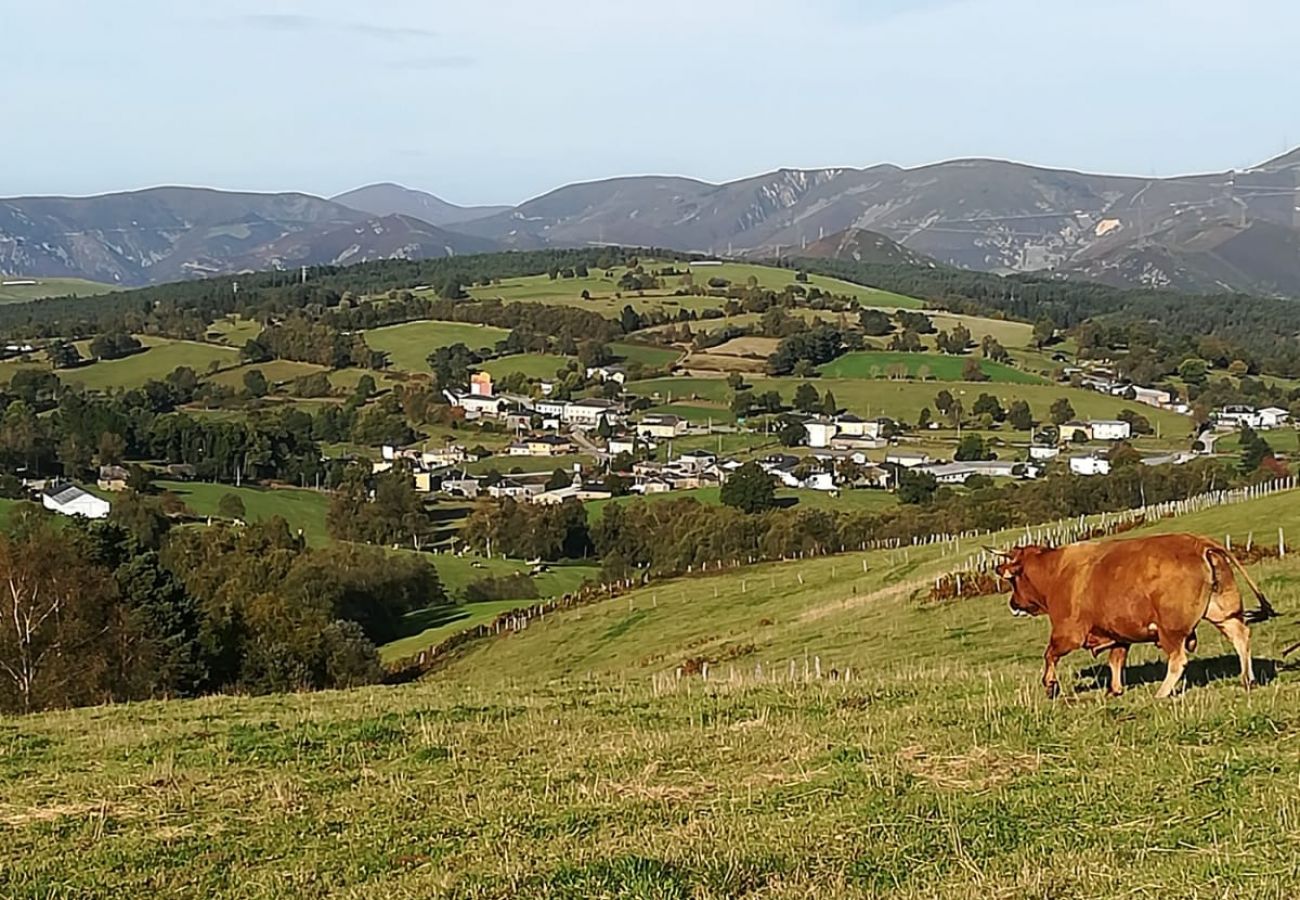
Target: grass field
602 290
846 501
48 287
427 627
655 357
903 399
696 413
235 331
409 345
275 371
875 364
506 464
155 363
539 366
304 510
567 761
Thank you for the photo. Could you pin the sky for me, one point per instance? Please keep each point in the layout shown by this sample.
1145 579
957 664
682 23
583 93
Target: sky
496 101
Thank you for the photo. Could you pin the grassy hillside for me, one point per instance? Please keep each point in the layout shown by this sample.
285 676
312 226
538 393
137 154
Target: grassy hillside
906 398
532 365
602 291
408 346
568 761
303 510
877 363
12 292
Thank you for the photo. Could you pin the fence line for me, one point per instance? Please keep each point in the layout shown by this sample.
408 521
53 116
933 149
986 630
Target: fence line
974 566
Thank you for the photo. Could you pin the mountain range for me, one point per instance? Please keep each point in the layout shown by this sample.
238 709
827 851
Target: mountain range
1233 230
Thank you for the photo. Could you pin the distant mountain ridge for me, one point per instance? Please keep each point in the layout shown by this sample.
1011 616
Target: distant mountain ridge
388 199
1232 230
175 233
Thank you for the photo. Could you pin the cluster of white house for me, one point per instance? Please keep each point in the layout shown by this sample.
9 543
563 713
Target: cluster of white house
1104 380
1266 419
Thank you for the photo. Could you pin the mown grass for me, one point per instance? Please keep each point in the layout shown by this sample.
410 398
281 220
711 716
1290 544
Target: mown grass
647 355
159 358
409 345
568 761
877 363
303 510
531 365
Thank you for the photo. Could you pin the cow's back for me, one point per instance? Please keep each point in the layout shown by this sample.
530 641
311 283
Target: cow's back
1131 589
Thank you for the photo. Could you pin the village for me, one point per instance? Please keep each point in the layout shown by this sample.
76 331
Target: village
835 453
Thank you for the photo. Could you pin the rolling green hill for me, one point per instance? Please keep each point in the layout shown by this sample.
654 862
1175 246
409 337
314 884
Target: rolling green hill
571 760
16 289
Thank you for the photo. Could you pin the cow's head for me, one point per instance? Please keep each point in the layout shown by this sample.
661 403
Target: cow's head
1026 598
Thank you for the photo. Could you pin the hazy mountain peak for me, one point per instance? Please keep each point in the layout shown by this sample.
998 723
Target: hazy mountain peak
387 198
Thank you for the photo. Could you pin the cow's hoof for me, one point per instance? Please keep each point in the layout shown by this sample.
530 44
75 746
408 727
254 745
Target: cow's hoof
1111 692
1053 690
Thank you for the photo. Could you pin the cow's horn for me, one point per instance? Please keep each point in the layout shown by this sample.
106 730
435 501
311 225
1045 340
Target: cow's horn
1003 553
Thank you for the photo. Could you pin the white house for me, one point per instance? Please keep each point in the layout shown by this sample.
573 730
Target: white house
608 373
851 426
1109 430
588 413
662 425
697 460
551 409
907 460
622 444
820 432
1151 396
1240 417
949 473
1272 417
477 405
70 500
1089 465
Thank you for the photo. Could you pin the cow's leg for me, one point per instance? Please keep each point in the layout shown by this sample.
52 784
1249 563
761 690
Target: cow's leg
1058 646
1176 650
1236 631
1118 654
1225 613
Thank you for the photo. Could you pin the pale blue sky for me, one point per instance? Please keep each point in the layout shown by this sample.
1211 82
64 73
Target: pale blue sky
494 101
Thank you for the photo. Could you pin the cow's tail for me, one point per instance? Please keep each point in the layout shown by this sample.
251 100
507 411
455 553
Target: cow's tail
1266 610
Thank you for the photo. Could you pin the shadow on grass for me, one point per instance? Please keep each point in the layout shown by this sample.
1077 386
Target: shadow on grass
1200 672
430 617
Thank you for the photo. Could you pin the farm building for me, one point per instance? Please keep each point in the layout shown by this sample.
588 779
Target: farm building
662 425
70 500
588 413
820 432
908 460
113 478
1109 430
1089 465
541 445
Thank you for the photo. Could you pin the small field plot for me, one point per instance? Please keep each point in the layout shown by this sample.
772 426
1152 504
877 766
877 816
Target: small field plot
645 354
304 510
16 289
531 365
275 371
775 279
154 363
234 331
880 363
408 345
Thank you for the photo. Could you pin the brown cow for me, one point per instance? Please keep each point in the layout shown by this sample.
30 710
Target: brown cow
1107 595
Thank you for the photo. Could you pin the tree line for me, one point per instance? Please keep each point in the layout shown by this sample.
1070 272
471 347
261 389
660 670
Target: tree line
93 614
